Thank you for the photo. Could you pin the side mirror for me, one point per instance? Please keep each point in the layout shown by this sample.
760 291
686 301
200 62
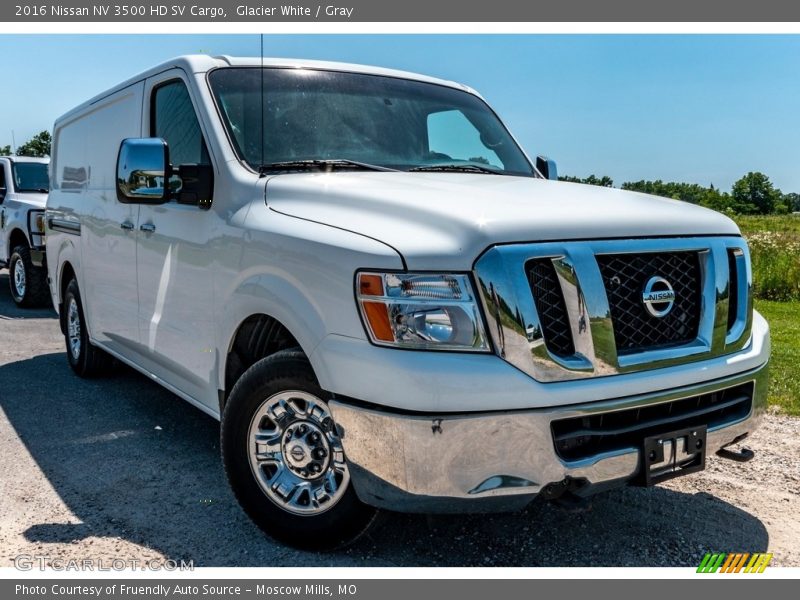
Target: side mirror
547 167
143 171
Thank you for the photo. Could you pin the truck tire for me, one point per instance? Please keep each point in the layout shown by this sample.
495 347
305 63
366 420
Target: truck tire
284 459
28 283
86 359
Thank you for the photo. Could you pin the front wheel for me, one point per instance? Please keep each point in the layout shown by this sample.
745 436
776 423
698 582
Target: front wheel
28 283
86 359
284 458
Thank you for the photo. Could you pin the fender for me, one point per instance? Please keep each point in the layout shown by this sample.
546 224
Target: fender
65 252
280 274
280 298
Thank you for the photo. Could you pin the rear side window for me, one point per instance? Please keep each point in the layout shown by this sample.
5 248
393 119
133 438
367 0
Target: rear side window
2 175
173 119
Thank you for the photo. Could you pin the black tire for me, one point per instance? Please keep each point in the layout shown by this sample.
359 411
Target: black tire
89 360
341 524
35 292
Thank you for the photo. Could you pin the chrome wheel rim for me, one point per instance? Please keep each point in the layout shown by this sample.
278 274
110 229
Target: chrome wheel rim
19 279
296 454
74 328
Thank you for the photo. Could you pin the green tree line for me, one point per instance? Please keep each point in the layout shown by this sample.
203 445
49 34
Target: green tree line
38 145
753 194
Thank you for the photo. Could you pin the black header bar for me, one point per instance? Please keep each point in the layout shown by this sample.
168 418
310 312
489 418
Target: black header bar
464 11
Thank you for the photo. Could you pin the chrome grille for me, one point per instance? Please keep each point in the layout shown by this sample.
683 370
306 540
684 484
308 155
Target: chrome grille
625 277
549 301
532 321
733 304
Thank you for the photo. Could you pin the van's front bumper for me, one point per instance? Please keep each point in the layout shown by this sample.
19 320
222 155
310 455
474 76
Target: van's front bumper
501 460
451 432
434 432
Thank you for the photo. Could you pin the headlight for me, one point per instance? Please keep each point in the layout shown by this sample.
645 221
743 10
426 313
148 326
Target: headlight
36 221
421 310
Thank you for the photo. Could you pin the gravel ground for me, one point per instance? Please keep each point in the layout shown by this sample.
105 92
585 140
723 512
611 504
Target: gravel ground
119 468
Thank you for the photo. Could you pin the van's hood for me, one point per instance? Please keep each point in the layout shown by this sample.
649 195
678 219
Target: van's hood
446 220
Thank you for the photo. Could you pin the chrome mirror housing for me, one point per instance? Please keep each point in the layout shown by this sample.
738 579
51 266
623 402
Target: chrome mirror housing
143 171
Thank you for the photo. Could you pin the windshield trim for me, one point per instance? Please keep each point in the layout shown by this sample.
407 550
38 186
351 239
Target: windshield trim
243 161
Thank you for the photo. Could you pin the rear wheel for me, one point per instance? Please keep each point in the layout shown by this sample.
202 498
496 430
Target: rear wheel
284 458
28 283
86 359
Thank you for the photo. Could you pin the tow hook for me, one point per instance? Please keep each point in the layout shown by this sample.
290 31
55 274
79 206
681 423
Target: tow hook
743 455
564 488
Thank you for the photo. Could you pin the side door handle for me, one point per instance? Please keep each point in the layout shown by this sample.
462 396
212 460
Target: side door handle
147 228
126 225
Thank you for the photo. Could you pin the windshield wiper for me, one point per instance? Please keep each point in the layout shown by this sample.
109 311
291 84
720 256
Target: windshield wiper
328 164
31 190
458 169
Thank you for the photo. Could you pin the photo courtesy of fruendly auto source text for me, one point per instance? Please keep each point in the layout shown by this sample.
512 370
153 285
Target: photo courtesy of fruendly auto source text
365 300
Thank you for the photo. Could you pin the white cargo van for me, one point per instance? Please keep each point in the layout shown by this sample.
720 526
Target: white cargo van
387 304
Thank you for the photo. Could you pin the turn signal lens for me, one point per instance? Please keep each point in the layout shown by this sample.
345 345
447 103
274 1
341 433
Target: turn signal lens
378 318
424 311
370 285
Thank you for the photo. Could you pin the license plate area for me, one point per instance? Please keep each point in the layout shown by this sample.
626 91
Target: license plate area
669 455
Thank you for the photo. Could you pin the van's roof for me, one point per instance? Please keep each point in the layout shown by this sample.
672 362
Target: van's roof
201 63
27 159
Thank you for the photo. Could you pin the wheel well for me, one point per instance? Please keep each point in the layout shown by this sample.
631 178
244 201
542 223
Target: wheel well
67 275
17 238
257 337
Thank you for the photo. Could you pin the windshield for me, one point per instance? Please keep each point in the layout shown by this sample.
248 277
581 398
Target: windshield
385 121
31 177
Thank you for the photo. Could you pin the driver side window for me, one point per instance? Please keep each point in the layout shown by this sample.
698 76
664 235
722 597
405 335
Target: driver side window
173 119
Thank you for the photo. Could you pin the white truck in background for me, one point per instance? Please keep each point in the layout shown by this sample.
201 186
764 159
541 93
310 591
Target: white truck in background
24 184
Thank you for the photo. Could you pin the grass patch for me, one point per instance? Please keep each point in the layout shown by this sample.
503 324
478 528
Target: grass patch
776 223
784 321
774 242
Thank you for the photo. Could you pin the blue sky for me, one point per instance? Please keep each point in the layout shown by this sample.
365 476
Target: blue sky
703 108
